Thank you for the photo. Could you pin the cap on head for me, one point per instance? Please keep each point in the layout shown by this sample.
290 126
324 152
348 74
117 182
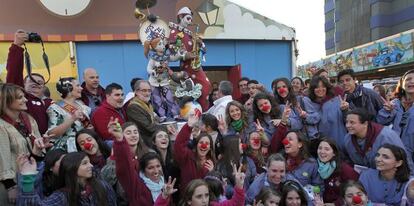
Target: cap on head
184 10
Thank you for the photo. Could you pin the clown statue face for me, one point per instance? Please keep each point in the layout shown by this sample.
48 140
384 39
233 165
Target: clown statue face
185 17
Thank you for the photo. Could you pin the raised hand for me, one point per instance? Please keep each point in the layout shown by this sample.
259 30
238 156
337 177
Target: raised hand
209 165
286 112
168 188
26 166
259 203
222 126
344 105
303 114
20 37
192 119
388 105
77 115
114 128
276 122
259 127
239 176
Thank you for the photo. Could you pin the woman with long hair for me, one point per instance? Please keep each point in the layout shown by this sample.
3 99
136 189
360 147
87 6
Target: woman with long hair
332 170
265 112
236 121
197 193
293 195
76 180
50 174
163 146
18 131
387 182
331 122
254 150
353 193
234 153
268 197
297 86
68 116
195 162
283 93
400 111
142 188
137 148
299 163
88 141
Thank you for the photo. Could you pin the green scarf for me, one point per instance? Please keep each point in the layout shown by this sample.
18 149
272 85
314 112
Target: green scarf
237 125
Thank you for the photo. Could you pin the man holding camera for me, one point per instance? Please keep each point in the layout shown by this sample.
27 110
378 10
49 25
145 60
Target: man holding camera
34 87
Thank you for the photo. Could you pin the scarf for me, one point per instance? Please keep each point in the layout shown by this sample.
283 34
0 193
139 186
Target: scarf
24 127
293 163
237 125
97 161
326 169
147 107
372 132
154 187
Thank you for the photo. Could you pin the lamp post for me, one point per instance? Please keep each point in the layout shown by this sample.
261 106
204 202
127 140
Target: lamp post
208 13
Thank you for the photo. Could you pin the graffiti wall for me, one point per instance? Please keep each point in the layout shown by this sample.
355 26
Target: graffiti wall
386 52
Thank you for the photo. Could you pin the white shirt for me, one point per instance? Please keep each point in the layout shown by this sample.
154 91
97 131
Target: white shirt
219 106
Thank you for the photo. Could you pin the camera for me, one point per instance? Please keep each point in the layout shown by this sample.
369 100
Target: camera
34 37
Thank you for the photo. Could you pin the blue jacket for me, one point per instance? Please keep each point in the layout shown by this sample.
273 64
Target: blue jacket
394 117
295 122
385 136
307 174
332 124
260 182
380 190
244 135
314 116
369 99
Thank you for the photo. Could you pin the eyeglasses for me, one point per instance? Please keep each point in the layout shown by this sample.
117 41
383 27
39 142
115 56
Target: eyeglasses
145 90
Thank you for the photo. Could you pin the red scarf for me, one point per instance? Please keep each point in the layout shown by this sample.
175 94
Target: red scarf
293 162
23 127
372 132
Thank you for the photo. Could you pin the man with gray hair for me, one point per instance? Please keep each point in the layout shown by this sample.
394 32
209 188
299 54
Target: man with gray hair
141 112
225 90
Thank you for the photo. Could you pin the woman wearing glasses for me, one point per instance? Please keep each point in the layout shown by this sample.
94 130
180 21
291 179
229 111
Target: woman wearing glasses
400 111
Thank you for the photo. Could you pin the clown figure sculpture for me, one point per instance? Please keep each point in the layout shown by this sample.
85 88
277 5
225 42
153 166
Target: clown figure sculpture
159 73
188 45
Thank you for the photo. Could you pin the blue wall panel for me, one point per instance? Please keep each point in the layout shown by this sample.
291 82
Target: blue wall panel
120 61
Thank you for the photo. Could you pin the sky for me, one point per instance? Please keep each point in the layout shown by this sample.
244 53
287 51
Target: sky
306 16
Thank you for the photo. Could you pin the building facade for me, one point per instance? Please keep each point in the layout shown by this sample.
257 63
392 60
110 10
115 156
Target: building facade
354 22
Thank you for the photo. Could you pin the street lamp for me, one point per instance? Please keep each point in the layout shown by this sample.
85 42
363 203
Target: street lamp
208 13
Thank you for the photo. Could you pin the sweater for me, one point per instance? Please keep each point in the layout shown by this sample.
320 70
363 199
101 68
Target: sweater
36 107
137 192
186 158
101 117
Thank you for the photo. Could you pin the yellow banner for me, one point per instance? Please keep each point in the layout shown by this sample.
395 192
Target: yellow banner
61 64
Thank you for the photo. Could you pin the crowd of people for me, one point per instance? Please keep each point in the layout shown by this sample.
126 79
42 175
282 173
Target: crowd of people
299 144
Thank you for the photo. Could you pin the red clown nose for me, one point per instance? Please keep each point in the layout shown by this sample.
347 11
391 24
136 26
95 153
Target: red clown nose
88 146
244 146
266 107
356 199
281 90
203 146
256 141
285 141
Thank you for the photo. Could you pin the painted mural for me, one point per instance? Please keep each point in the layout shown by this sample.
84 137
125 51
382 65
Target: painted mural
107 20
383 53
61 65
